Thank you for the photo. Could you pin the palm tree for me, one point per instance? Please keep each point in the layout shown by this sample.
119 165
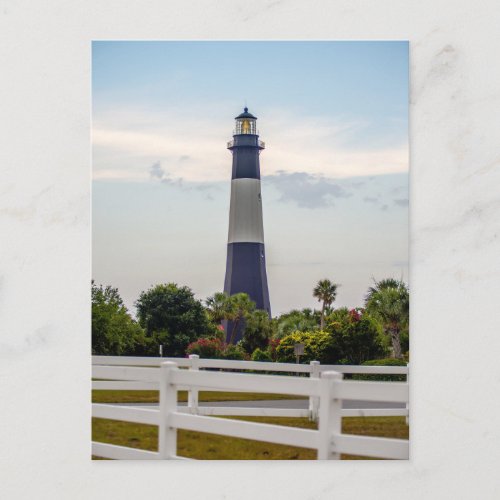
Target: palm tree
325 291
380 285
391 305
218 307
303 321
240 307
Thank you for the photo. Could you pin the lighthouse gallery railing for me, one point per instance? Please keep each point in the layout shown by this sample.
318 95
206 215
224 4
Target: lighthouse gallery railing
261 144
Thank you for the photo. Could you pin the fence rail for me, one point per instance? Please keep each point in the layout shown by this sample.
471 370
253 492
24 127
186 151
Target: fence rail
325 390
115 452
242 411
269 366
314 369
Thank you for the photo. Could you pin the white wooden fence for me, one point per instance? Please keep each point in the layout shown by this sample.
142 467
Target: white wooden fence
193 362
325 392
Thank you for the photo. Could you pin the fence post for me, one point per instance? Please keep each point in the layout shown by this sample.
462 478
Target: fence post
408 383
330 415
313 400
167 436
193 392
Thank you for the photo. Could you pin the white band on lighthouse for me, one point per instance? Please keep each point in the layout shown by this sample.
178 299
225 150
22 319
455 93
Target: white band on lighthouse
245 215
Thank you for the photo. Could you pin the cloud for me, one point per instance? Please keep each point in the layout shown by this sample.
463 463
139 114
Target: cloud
306 190
193 144
156 171
401 202
370 199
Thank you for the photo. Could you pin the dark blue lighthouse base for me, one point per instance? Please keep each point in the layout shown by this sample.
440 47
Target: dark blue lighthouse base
246 273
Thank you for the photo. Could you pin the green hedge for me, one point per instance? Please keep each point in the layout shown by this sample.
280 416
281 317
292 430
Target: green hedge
382 362
261 355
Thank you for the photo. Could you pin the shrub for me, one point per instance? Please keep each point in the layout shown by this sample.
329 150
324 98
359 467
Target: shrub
356 337
215 348
316 345
382 362
350 337
232 351
273 344
260 355
210 348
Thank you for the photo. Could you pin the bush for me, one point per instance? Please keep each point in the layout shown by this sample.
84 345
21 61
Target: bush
385 378
350 338
234 352
208 348
316 346
260 355
356 337
271 348
215 348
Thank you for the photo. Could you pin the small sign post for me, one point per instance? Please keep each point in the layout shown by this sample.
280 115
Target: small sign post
161 351
298 350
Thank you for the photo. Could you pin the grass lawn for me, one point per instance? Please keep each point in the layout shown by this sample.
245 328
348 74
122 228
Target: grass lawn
214 447
99 396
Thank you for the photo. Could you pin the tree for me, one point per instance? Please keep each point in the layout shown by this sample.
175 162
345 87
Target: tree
241 306
171 317
381 285
356 336
349 337
295 320
325 291
114 332
390 304
258 331
218 307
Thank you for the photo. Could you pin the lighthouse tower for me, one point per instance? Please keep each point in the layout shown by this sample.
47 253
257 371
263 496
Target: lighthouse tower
246 258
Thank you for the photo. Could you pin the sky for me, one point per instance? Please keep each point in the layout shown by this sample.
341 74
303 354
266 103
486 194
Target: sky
334 117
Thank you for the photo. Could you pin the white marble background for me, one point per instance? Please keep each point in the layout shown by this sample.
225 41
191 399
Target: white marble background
45 247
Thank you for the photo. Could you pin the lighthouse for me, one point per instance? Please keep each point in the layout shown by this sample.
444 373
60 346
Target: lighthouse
246 258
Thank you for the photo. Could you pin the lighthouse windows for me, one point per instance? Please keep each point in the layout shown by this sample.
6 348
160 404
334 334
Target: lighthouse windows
246 126
260 197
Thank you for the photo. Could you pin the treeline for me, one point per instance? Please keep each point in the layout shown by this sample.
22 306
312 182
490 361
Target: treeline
169 315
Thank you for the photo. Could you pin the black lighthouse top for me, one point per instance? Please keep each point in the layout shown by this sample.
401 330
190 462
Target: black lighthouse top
246 123
246 114
245 134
